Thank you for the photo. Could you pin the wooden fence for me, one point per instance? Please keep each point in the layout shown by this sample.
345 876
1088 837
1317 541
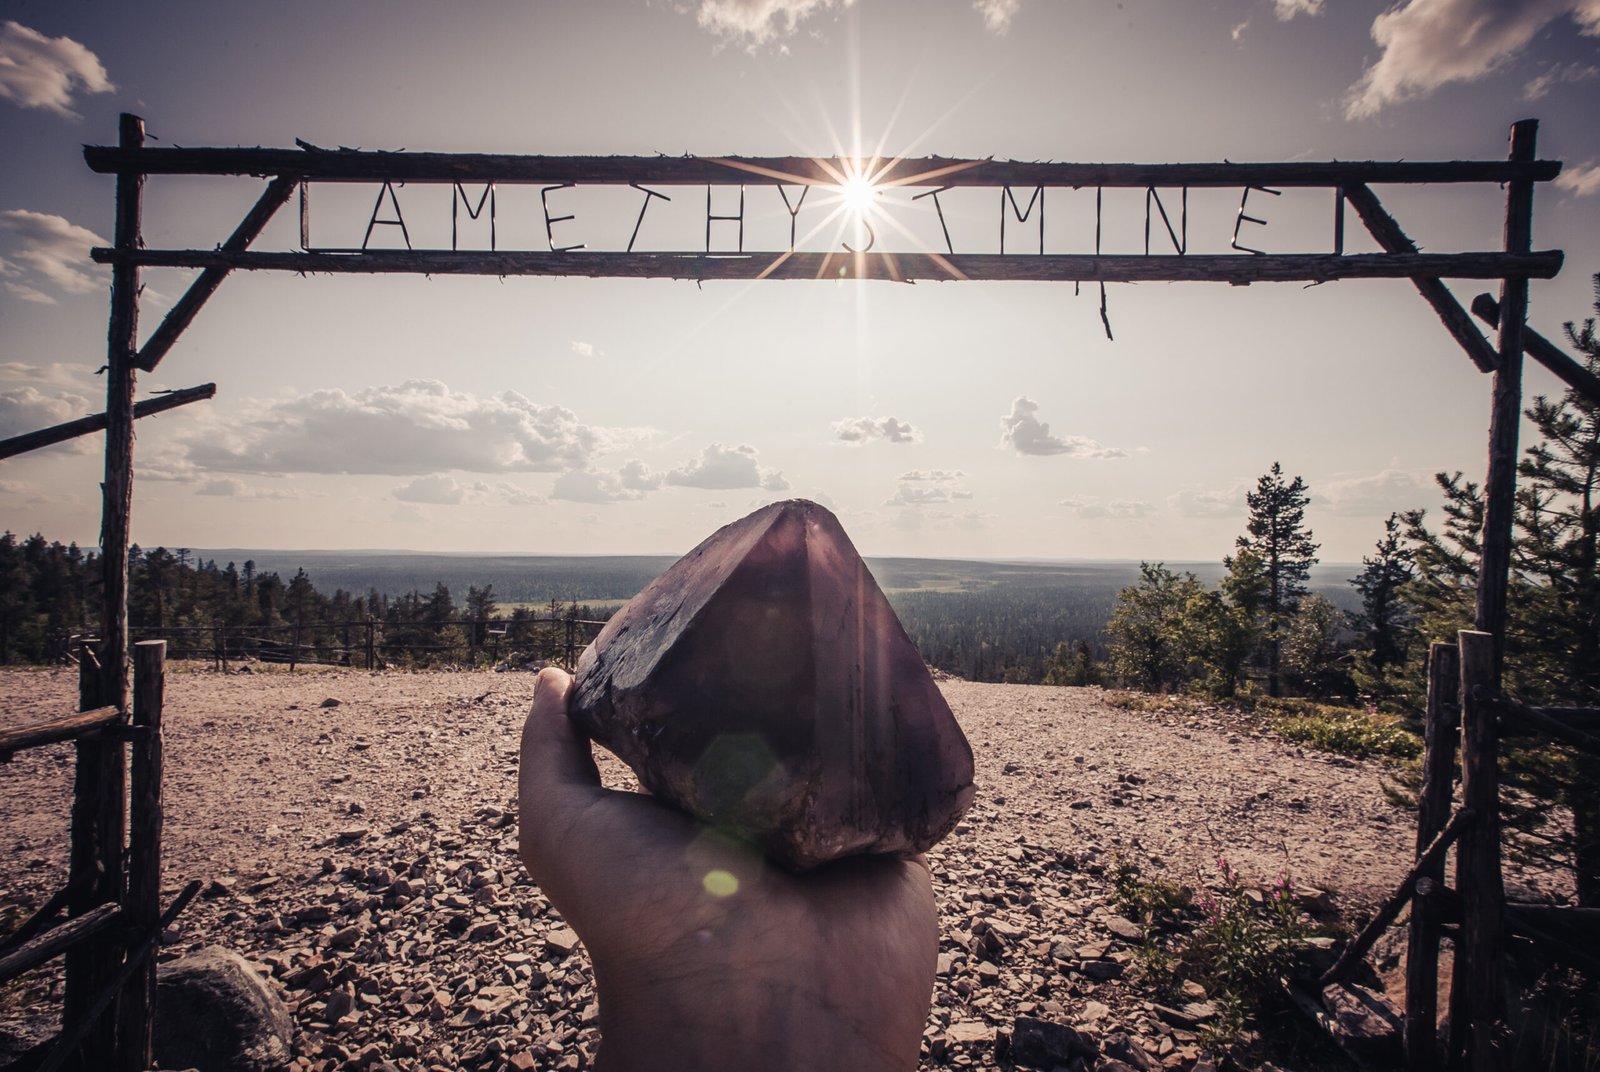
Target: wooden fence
372 644
1467 716
112 894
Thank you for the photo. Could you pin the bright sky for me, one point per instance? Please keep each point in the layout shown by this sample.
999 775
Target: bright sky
942 419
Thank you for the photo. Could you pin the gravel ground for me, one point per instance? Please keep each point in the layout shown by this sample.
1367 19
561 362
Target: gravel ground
362 853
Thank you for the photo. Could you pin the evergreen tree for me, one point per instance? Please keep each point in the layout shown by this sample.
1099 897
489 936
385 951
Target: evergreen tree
1386 623
1151 641
1277 535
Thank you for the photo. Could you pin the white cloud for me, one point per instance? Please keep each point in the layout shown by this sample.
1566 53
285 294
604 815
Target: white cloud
1429 43
23 292
584 349
758 21
1090 508
912 495
1558 74
593 486
1238 31
723 467
515 495
437 489
1207 503
1582 180
53 250
1027 434
237 489
1375 495
44 72
411 429
936 476
997 14
860 430
1288 9
27 409
55 374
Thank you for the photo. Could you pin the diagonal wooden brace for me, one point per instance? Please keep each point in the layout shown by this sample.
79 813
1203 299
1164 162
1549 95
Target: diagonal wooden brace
182 314
1394 240
1543 351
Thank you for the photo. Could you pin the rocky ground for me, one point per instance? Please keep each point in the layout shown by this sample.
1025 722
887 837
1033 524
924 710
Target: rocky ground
356 833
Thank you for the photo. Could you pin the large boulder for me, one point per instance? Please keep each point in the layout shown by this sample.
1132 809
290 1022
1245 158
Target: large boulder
214 1013
764 685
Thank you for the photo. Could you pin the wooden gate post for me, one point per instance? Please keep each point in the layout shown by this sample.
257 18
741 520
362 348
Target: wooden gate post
1476 999
94 872
1433 811
1500 483
143 902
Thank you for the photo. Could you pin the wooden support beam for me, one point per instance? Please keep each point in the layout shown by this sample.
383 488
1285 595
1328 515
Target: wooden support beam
46 437
1542 350
56 941
1476 1007
183 312
898 267
39 922
1500 484
1433 813
69 728
1390 909
372 166
1394 240
1536 720
136 1008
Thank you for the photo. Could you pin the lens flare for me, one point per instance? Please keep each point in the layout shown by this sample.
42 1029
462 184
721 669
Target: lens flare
720 883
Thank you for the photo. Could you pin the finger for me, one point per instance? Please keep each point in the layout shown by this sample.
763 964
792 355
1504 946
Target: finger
556 758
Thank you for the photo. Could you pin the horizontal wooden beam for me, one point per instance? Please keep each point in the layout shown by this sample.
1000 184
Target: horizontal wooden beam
899 267
52 943
1387 231
370 166
183 312
1543 351
58 729
60 433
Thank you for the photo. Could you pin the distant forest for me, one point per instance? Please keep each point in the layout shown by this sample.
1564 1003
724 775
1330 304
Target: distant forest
985 621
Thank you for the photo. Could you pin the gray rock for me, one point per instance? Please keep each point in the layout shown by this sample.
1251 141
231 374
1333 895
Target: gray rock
215 1014
1042 1044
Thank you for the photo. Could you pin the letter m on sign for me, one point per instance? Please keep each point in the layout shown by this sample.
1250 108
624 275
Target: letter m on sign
460 200
1022 214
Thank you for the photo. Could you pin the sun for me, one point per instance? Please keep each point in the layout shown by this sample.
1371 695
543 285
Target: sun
858 194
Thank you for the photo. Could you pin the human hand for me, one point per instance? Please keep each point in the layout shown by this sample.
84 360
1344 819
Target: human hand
705 955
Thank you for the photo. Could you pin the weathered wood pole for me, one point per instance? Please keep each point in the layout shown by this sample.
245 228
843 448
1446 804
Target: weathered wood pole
94 871
117 501
1433 811
143 901
1476 1005
1500 485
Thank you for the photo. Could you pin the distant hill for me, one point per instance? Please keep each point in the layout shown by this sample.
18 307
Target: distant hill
539 578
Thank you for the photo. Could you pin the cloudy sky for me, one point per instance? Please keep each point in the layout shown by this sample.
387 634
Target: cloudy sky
942 419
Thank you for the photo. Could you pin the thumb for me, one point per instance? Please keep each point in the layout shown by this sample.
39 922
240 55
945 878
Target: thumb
556 758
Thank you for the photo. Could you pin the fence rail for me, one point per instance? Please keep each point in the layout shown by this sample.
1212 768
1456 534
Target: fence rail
373 644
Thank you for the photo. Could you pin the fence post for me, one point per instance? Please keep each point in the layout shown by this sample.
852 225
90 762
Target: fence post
371 653
143 900
94 873
572 643
294 650
1475 993
1433 811
472 643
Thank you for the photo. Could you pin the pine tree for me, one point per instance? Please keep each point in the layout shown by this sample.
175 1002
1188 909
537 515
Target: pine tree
1386 623
1278 536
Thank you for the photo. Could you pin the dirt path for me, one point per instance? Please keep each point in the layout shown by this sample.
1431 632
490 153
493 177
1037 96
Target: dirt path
364 855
